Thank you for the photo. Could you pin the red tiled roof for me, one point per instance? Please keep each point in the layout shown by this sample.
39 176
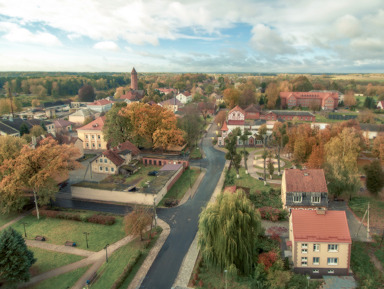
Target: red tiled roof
101 102
127 145
308 225
299 94
172 101
235 122
310 181
253 108
224 127
237 108
114 157
97 124
62 123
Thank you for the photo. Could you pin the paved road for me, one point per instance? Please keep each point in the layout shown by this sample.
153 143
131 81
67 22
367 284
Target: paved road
183 220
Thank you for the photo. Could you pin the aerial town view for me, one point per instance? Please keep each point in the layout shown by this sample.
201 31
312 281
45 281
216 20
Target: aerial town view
195 144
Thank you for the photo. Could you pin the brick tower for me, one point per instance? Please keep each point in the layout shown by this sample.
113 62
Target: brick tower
134 85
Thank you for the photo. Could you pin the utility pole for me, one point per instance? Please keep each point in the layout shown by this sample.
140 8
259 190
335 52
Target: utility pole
154 211
86 237
368 223
106 252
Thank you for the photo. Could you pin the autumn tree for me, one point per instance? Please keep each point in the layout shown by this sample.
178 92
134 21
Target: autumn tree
5 106
374 177
136 222
231 97
10 147
227 232
301 83
244 139
220 117
35 170
349 98
280 139
87 93
16 259
366 116
378 147
316 158
264 156
35 102
37 130
271 168
341 162
272 93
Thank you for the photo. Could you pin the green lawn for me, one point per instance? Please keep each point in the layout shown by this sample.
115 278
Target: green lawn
58 231
250 182
359 205
195 153
49 260
5 218
182 185
366 273
63 281
111 271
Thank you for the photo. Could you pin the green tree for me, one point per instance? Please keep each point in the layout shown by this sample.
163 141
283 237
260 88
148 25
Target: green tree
375 177
245 153
16 259
232 155
37 130
117 128
24 129
264 157
228 230
191 124
271 168
280 139
86 93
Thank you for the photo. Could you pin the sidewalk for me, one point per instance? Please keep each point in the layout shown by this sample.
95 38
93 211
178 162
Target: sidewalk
10 223
59 248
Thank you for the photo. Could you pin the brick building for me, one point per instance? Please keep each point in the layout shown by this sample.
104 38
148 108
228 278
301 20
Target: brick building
325 100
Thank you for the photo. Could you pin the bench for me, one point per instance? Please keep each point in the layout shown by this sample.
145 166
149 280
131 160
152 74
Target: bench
40 238
70 244
92 278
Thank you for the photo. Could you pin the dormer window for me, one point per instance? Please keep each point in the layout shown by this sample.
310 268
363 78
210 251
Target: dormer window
297 198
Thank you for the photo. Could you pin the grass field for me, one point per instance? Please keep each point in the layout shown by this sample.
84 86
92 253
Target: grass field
195 153
66 280
49 260
58 231
5 218
182 185
360 203
110 272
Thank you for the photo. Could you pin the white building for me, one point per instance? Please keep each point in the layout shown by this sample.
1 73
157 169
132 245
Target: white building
184 97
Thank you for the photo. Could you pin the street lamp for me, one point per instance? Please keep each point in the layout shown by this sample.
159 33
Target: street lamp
86 238
308 278
25 232
154 211
106 252
226 283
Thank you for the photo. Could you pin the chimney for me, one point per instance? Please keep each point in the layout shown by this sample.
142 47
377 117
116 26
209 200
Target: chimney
320 211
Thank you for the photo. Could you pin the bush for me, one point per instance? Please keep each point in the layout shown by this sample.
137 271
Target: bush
273 214
101 219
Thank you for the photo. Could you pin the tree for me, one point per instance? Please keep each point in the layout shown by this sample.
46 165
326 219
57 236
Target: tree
16 259
227 232
136 222
117 128
35 102
375 177
35 170
220 117
264 157
10 147
231 97
244 139
37 130
341 162
378 147
271 168
24 129
5 106
86 93
232 155
366 116
191 124
280 140
301 83
349 98
316 158
272 93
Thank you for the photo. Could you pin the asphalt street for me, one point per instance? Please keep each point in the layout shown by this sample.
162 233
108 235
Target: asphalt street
183 220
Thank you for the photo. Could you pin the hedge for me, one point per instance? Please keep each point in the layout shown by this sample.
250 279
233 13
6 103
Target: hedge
127 270
95 218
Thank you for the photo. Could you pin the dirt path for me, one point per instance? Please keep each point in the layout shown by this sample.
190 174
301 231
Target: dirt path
376 262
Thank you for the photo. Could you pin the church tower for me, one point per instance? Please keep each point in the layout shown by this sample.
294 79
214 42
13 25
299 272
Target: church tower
134 84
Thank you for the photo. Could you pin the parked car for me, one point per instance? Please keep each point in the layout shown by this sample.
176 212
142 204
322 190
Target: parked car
153 173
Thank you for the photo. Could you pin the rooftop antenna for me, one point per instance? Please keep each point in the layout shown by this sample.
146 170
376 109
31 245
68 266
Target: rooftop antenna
10 97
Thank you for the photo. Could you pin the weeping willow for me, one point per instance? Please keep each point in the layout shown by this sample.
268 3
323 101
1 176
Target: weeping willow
228 230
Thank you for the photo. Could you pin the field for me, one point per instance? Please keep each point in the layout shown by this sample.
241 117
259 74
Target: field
359 205
59 231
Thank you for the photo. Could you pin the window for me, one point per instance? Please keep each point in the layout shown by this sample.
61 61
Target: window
303 261
112 169
331 271
315 271
87 144
316 260
333 247
100 168
304 251
98 136
304 246
316 247
297 198
106 169
86 136
93 145
96 161
93 137
105 160
332 261
99 145
315 199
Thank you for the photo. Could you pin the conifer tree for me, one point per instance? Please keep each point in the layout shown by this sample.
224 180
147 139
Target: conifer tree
15 258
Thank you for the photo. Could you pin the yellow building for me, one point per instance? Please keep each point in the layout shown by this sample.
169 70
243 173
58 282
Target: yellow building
92 135
321 242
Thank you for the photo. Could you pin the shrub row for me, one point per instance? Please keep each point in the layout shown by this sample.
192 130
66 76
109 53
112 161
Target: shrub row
95 218
273 214
127 270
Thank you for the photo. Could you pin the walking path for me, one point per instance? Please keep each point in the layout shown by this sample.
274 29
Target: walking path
10 223
59 248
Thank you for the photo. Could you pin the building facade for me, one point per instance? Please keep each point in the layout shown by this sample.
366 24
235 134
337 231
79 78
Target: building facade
92 135
325 100
134 83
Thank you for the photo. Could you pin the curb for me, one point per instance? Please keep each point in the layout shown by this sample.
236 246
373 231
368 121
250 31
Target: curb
191 192
144 268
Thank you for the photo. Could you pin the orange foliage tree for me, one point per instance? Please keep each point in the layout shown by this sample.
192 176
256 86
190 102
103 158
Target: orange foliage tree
35 170
153 123
231 97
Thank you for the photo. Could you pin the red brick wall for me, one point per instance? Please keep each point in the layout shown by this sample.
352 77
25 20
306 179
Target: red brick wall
162 162
175 179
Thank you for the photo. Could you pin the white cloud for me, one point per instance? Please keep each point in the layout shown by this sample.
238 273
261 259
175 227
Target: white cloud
106 45
348 26
15 33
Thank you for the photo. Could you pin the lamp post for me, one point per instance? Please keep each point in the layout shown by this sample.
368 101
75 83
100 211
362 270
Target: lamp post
106 252
86 238
25 232
308 278
154 211
226 283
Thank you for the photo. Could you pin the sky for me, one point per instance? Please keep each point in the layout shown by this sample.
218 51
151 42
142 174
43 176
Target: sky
294 36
